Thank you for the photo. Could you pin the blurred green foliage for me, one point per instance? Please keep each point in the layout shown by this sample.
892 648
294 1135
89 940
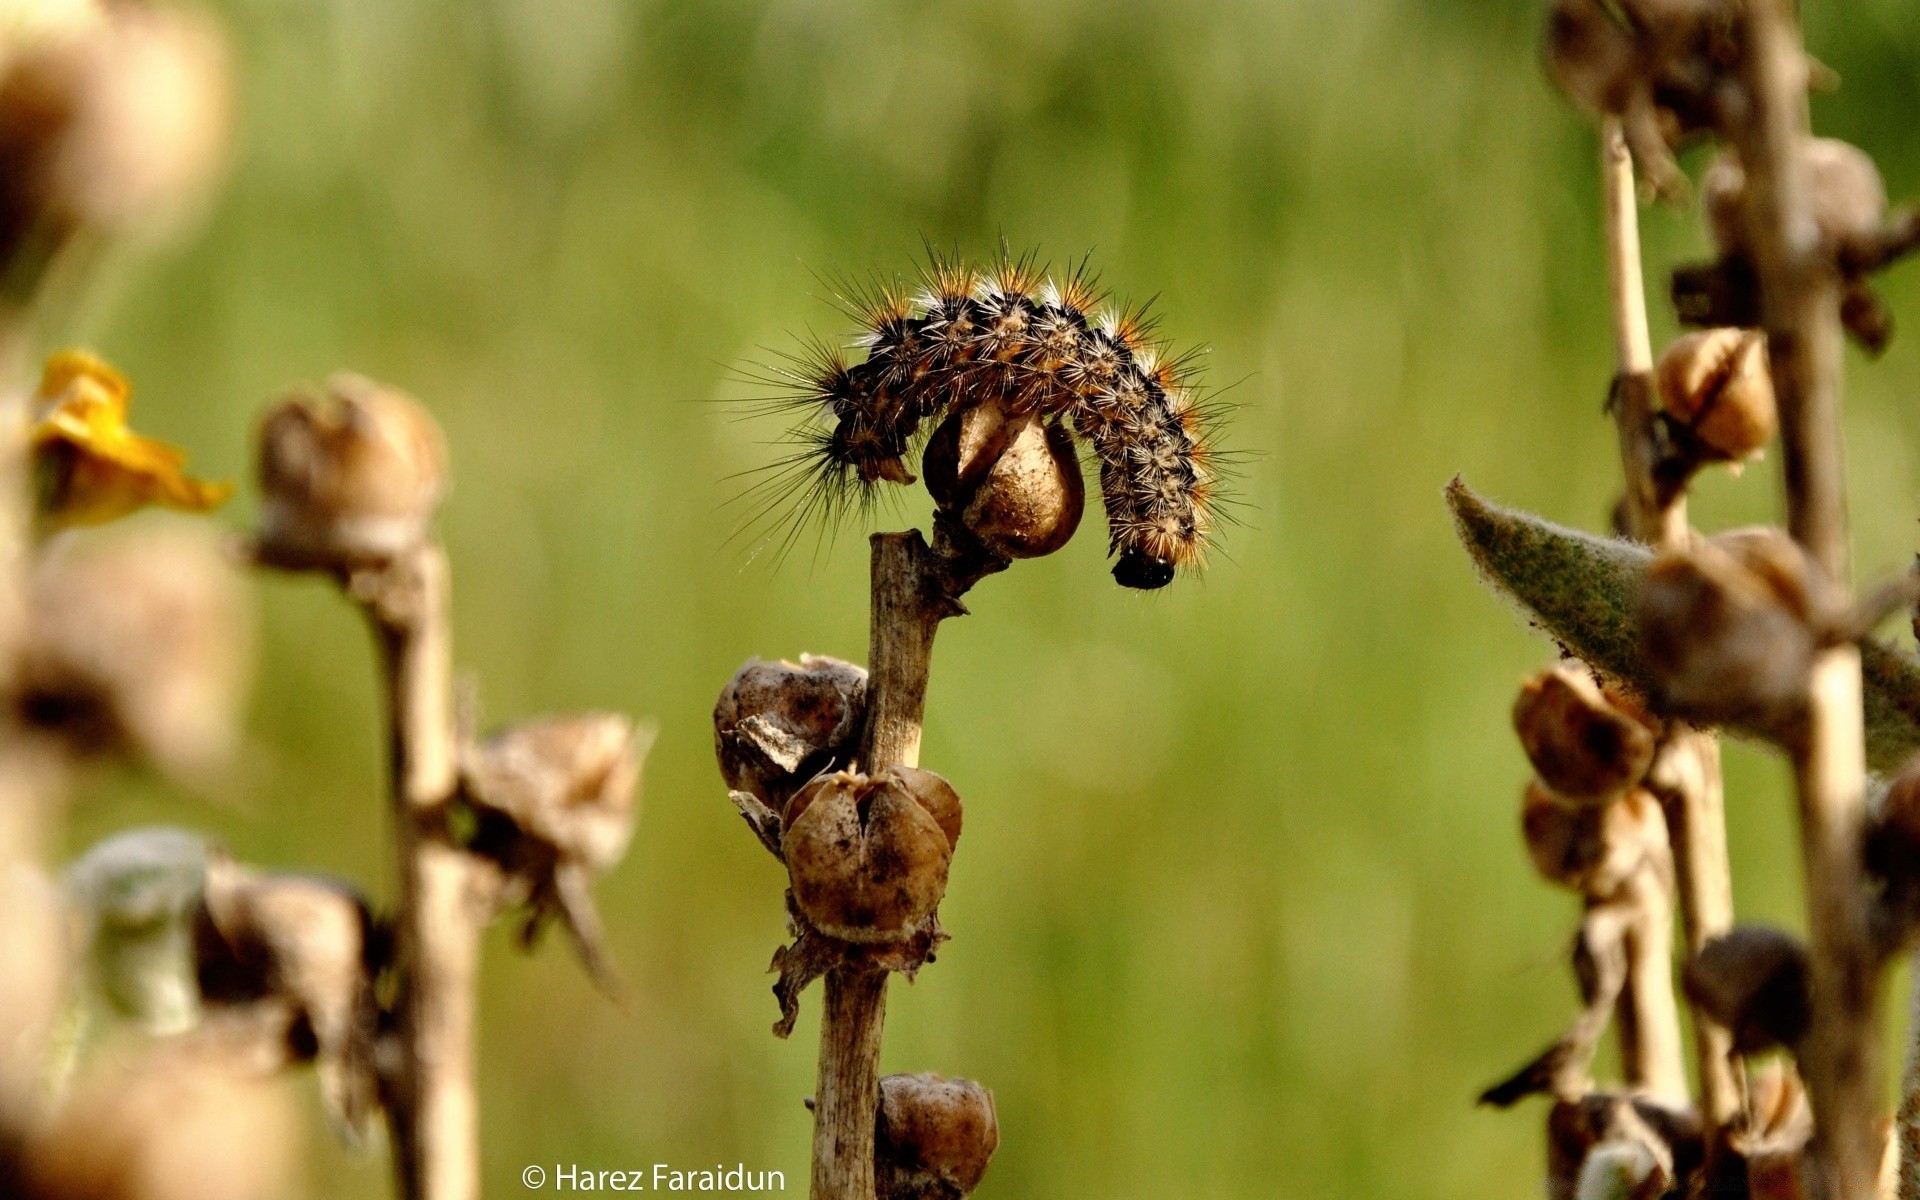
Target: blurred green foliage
1241 910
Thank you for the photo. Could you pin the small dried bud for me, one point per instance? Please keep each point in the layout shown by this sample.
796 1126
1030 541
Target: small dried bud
777 724
1014 482
140 642
1716 384
557 799
1753 980
1584 748
1729 629
1849 199
868 857
933 1137
307 945
348 480
113 120
136 894
1590 849
185 1120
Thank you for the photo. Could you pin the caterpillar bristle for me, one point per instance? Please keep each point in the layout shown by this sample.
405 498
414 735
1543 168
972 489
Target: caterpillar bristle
1010 335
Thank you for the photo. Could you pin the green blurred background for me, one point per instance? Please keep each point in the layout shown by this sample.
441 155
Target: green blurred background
1241 910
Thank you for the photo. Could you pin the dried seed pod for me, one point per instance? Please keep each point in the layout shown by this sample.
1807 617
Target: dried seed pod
136 894
140 643
1591 55
1587 848
192 1119
868 857
1013 481
556 798
933 1137
1848 197
1729 629
1753 980
1584 748
117 119
350 479
305 944
1716 385
779 724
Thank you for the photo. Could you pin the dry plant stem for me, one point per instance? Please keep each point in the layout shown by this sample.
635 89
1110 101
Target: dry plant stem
914 588
433 1113
1800 296
1687 779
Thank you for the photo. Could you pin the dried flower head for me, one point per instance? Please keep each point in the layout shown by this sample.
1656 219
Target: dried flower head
556 798
868 857
1849 204
305 946
1848 198
933 1137
107 119
192 1119
1587 848
136 894
1011 481
140 642
1655 64
779 724
91 466
1584 747
1715 385
1753 980
348 479
1729 628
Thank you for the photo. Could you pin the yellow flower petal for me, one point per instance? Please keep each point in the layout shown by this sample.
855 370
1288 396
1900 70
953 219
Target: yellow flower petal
91 466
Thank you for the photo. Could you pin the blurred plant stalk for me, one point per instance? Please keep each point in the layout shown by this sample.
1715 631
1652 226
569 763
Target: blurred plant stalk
1685 776
1800 306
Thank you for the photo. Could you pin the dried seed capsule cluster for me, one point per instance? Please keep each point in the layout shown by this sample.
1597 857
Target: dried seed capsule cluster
1045 366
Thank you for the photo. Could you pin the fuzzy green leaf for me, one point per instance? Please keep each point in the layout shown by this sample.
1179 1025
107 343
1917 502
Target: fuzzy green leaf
1579 589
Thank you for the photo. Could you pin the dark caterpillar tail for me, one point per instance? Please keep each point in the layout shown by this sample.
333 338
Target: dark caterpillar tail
1142 571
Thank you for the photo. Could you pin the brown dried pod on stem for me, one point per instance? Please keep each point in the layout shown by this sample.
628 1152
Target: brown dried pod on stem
777 725
868 857
349 479
1655 65
1847 203
1584 747
1729 629
933 1137
309 947
1716 393
556 801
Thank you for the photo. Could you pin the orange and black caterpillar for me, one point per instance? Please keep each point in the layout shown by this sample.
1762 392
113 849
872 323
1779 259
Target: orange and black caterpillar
1011 335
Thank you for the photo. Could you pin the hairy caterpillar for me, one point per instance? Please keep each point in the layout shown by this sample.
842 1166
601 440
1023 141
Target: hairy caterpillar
1009 334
